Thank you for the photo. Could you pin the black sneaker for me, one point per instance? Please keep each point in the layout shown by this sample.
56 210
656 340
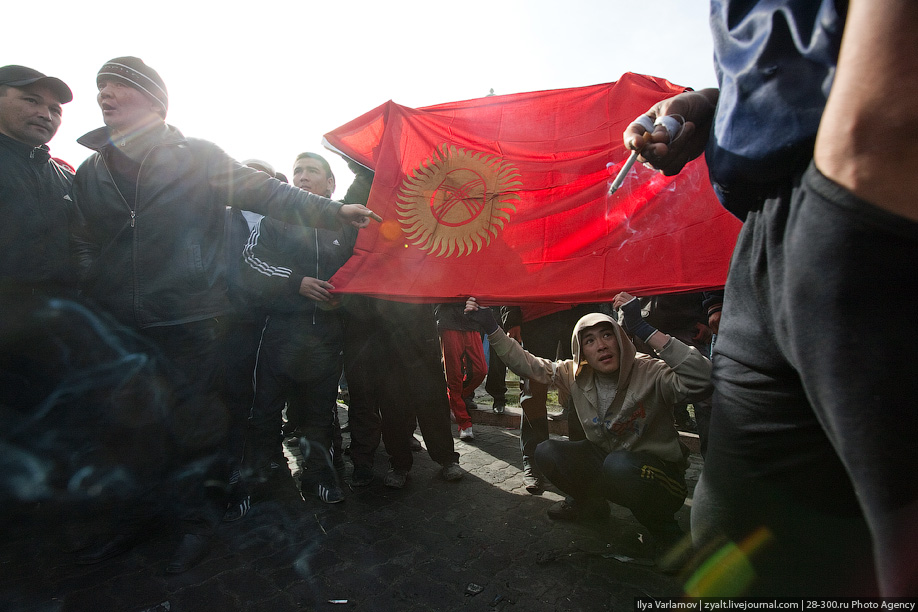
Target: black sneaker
499 408
396 479
362 476
330 492
570 510
534 483
452 472
237 509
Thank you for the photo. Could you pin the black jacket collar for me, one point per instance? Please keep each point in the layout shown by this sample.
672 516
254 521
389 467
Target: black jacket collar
39 155
100 138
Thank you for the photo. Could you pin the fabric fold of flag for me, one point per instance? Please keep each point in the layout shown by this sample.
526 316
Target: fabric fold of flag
507 198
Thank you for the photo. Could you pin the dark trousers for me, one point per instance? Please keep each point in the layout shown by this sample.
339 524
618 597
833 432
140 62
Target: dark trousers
395 370
363 359
242 341
651 488
416 389
299 365
195 355
496 382
813 414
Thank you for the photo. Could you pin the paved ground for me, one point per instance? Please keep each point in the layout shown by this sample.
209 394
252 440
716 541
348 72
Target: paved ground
482 543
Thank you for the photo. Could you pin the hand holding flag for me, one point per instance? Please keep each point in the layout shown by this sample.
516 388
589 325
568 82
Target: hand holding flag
358 215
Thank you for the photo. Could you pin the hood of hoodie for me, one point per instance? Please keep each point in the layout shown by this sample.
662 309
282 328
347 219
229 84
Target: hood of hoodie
626 348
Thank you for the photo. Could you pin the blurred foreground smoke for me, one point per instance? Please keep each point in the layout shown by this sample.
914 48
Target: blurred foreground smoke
84 416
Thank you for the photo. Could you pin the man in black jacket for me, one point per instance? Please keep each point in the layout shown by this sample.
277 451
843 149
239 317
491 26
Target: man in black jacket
150 244
34 189
299 361
35 207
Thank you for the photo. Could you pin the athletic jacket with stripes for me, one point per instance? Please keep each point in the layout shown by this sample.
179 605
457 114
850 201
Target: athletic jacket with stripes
279 255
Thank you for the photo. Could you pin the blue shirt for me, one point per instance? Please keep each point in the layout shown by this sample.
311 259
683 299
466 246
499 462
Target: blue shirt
775 62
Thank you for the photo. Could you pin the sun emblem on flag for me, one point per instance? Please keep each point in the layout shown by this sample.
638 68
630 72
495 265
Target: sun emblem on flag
456 200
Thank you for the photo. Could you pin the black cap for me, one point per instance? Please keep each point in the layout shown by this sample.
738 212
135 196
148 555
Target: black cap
19 76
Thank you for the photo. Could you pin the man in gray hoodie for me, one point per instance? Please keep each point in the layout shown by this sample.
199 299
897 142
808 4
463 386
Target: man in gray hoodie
632 455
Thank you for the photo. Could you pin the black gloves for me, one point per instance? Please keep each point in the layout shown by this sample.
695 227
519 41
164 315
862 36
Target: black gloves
635 323
485 319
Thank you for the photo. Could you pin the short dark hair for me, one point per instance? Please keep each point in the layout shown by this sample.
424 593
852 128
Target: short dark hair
318 158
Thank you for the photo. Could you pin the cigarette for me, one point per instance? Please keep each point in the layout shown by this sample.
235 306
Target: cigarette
375 217
623 173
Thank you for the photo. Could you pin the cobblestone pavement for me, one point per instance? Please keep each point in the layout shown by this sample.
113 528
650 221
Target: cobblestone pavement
482 543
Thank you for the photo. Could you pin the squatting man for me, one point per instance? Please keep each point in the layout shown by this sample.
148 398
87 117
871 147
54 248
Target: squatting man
632 455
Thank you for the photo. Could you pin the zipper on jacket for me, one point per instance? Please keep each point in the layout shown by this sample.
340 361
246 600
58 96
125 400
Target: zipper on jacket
115 184
315 307
137 185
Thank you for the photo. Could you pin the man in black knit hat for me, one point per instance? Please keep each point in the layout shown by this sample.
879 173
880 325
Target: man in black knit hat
150 247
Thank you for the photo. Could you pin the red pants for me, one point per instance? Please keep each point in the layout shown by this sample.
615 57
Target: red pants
464 360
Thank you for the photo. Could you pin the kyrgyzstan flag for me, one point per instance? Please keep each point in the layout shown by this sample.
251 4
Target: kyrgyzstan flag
507 198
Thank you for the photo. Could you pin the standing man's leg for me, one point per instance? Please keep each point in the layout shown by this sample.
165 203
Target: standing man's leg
264 433
362 341
452 345
840 250
767 446
196 353
429 404
476 366
533 430
317 369
496 383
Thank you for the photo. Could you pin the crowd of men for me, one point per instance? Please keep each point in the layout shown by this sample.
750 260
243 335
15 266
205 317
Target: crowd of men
127 284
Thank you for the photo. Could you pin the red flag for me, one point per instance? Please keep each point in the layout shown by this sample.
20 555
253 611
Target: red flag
507 198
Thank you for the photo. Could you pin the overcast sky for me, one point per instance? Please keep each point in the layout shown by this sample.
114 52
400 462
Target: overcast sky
268 79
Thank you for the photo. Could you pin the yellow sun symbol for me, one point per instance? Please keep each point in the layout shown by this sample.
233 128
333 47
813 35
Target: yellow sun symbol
455 200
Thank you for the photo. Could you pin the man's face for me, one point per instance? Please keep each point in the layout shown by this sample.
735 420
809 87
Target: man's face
125 108
30 114
309 175
599 347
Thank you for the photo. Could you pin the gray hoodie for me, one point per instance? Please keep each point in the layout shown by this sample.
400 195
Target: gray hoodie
640 421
